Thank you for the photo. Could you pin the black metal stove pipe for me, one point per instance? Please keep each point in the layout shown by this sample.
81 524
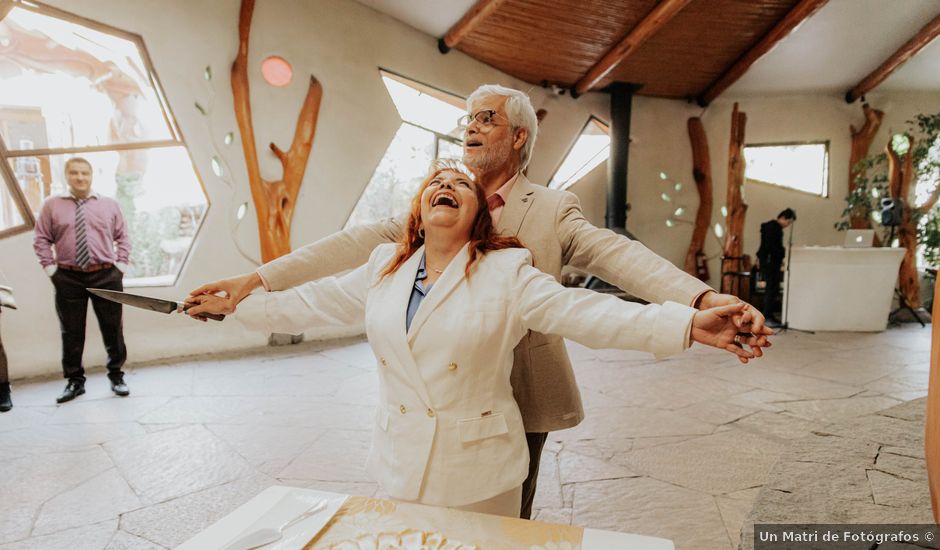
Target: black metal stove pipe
621 104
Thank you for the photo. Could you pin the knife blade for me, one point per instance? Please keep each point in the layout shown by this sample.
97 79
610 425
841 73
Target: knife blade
146 302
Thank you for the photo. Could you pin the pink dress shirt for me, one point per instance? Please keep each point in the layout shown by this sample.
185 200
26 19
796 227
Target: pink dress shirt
105 230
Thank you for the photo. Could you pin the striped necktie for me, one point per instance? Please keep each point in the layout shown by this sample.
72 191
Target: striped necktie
82 257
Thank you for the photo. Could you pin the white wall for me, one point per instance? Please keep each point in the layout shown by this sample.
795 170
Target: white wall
342 43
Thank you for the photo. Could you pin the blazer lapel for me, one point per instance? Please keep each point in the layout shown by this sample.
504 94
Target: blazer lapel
397 295
521 197
448 281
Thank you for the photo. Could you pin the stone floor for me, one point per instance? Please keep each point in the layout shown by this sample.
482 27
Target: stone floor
678 448
867 469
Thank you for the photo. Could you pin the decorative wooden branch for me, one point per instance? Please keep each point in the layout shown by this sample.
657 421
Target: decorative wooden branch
274 200
900 174
861 142
702 173
790 21
910 48
643 31
474 16
732 260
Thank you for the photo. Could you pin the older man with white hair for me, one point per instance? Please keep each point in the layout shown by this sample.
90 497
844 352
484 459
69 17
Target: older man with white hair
499 136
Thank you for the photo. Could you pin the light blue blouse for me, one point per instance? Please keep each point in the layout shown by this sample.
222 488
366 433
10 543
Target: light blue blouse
418 293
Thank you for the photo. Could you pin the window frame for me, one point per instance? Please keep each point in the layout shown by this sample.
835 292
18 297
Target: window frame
591 118
828 176
176 140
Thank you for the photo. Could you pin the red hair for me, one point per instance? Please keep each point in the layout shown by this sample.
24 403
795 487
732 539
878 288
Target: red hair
483 236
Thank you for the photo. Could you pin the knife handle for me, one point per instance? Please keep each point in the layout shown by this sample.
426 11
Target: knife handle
213 316
183 306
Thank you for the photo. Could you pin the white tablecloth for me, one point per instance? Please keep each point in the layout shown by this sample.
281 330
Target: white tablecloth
845 289
360 515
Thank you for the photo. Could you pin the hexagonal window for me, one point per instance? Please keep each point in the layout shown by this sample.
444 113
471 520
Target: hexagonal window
428 131
590 149
72 87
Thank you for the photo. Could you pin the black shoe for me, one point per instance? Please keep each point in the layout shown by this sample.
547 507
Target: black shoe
5 402
71 391
120 388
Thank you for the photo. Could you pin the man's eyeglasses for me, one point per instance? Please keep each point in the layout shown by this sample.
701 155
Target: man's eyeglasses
485 118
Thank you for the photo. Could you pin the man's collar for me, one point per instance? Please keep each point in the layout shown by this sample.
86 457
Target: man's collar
69 195
506 188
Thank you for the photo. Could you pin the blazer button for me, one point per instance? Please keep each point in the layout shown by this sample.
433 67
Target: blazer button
452 366
402 409
430 413
384 364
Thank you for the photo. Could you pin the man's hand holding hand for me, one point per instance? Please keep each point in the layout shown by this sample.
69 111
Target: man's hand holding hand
717 328
748 320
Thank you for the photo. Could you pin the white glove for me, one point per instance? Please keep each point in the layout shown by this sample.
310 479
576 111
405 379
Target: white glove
50 269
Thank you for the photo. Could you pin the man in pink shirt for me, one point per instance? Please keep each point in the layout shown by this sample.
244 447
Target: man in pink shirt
81 242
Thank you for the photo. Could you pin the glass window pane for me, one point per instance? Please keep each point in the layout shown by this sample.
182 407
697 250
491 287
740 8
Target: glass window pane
803 167
158 191
65 85
424 106
449 150
396 180
9 212
590 150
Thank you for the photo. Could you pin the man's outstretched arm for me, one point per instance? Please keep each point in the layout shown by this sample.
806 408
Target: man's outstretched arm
636 269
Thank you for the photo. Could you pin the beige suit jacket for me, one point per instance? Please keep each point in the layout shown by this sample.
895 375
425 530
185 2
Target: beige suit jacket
446 412
551 225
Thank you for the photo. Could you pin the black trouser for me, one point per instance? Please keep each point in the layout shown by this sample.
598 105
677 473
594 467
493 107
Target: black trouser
4 375
771 274
71 303
536 442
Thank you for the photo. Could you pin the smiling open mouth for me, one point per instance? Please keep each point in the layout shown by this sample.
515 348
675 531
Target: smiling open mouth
444 200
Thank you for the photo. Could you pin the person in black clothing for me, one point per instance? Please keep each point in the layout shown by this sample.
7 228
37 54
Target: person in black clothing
770 257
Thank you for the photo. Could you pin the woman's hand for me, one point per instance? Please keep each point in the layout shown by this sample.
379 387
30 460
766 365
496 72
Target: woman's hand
232 291
197 306
716 327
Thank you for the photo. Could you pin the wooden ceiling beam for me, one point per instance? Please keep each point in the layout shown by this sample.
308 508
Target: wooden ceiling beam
474 16
643 31
790 21
919 41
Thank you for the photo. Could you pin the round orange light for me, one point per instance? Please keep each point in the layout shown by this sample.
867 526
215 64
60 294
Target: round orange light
276 71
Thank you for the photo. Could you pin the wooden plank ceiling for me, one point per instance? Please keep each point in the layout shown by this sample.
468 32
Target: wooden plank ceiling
558 41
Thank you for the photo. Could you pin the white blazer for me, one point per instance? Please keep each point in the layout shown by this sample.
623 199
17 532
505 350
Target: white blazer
448 431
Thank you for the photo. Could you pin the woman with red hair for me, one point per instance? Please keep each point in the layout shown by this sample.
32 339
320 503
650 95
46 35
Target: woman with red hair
443 310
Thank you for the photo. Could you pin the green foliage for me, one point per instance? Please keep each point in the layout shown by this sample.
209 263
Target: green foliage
871 185
149 231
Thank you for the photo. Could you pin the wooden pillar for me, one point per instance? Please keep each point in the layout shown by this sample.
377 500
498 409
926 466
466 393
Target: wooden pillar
702 174
900 174
932 430
732 260
861 143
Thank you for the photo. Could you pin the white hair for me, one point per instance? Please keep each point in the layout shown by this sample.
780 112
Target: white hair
519 110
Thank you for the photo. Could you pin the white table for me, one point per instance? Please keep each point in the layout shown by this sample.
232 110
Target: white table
223 531
832 288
